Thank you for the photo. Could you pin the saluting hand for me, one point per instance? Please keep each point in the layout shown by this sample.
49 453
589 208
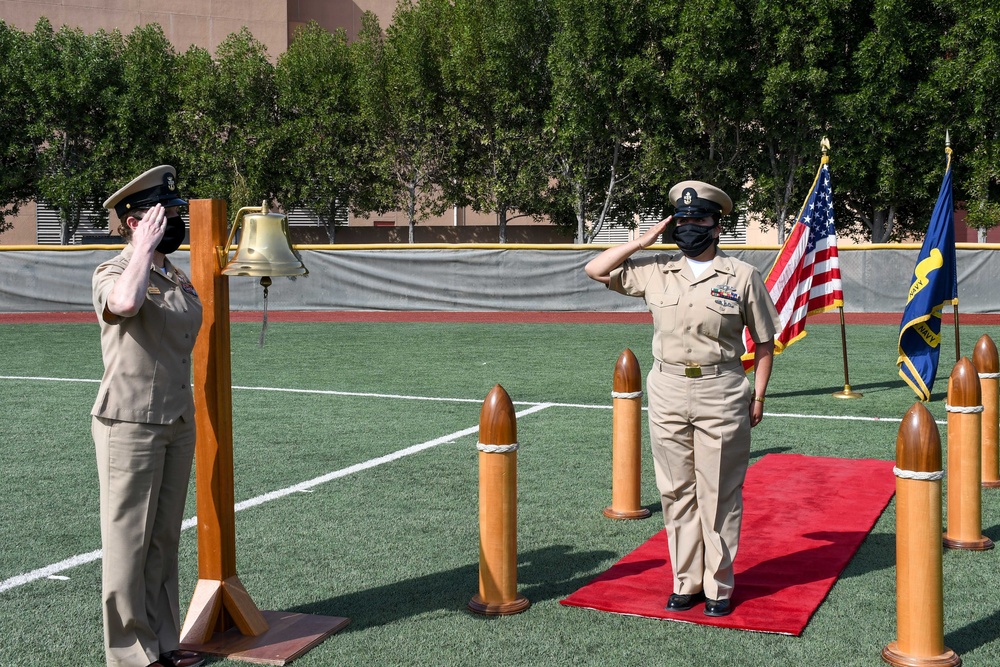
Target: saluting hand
654 232
149 232
601 266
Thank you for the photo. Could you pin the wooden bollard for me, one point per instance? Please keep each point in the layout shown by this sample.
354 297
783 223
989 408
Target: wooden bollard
497 446
965 412
626 455
919 587
986 361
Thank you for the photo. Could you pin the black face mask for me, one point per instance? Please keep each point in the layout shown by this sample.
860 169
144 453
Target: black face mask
693 239
173 235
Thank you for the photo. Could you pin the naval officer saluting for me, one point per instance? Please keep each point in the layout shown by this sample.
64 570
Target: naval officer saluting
701 405
143 423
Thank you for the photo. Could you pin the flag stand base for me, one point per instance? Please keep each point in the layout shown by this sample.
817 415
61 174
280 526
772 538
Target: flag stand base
847 393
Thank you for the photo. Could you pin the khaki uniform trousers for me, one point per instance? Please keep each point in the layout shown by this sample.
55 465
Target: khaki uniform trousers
700 435
144 471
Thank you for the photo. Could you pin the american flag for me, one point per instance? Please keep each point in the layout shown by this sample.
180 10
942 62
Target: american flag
805 278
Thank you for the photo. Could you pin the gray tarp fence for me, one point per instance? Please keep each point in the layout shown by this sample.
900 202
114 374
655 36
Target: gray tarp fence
470 279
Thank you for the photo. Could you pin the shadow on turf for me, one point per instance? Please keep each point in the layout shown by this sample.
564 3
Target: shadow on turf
543 574
983 631
877 552
758 453
970 637
825 391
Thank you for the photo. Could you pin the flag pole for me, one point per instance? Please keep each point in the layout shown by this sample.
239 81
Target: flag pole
847 392
954 306
824 145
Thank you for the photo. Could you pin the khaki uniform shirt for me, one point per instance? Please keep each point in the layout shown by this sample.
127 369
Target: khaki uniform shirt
699 320
147 357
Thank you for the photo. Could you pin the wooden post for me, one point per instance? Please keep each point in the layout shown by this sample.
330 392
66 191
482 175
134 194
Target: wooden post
985 359
919 587
222 619
965 460
626 455
497 446
219 600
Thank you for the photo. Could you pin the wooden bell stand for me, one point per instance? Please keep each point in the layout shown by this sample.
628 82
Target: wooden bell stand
222 618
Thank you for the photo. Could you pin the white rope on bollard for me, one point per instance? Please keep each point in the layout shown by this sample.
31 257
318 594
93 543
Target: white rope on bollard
626 394
989 376
966 409
913 474
496 449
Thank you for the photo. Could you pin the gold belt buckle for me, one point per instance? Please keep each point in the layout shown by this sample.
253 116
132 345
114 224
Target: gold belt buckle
692 370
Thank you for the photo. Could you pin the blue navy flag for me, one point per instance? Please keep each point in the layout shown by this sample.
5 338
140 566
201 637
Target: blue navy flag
934 284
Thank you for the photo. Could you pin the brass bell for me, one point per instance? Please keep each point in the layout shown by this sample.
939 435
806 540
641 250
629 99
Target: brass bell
265 248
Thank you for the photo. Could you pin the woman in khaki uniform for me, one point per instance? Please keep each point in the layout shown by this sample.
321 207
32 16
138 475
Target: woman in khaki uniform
143 423
701 404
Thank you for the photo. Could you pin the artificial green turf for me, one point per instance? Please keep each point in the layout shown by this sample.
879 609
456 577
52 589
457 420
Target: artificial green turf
395 547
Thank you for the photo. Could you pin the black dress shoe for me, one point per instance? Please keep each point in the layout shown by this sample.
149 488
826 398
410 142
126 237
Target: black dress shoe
718 608
678 602
181 658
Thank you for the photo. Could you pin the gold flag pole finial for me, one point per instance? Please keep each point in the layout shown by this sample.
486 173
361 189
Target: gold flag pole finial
824 145
947 143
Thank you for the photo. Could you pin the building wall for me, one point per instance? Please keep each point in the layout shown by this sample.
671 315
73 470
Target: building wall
184 22
338 14
23 232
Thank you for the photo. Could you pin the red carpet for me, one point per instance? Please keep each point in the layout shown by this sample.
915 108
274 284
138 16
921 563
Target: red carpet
804 517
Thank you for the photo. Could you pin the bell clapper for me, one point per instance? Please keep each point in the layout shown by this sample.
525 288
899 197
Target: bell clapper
265 282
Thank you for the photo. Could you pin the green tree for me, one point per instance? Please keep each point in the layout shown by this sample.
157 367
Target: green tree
701 124
966 72
75 82
17 152
801 62
316 145
403 103
596 113
496 74
888 147
223 131
147 97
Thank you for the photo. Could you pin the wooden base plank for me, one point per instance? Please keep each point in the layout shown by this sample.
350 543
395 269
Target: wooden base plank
289 636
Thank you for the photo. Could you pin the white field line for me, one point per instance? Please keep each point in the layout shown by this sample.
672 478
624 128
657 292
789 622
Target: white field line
301 487
442 399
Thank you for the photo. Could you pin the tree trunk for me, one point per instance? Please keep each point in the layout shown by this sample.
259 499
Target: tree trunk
581 214
411 208
502 222
66 226
331 223
781 198
609 193
882 223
